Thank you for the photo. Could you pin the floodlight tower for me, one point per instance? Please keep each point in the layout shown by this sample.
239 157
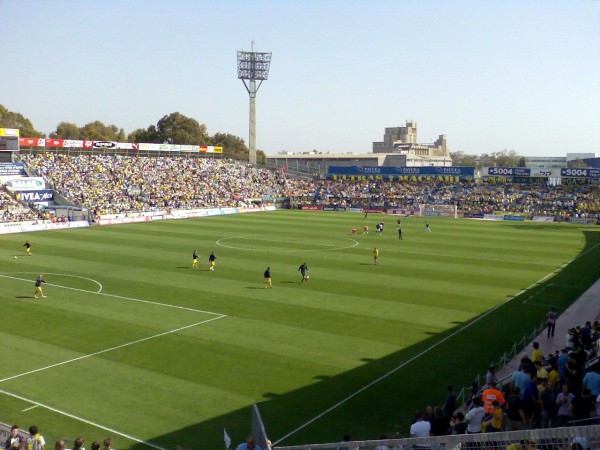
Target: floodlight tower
252 67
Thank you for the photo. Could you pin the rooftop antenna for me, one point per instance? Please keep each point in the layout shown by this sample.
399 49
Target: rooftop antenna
252 67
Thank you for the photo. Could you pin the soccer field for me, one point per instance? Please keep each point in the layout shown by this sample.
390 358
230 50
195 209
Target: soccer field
135 344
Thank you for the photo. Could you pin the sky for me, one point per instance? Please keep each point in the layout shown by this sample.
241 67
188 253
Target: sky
491 75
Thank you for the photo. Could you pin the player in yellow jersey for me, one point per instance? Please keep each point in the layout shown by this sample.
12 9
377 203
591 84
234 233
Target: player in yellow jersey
375 256
194 259
267 277
38 287
211 260
27 246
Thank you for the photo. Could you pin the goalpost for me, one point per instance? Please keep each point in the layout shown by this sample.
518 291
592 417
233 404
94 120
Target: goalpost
438 210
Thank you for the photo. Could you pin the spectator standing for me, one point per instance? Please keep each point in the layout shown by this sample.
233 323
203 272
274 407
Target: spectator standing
536 353
440 423
35 441
459 426
14 440
516 411
250 444
475 416
549 406
583 406
591 380
551 318
489 396
420 427
450 402
565 407
490 376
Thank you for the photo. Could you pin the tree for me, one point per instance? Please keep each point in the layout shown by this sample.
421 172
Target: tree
506 158
176 128
150 135
9 119
460 159
233 146
97 131
66 130
522 162
577 164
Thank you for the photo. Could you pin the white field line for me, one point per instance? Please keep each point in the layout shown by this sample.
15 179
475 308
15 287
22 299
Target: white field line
556 271
79 358
80 419
166 305
30 408
58 411
427 350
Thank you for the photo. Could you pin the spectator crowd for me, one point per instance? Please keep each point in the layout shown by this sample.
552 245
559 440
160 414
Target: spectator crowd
556 390
110 184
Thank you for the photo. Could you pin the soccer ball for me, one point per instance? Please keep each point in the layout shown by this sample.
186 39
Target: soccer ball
15 257
307 277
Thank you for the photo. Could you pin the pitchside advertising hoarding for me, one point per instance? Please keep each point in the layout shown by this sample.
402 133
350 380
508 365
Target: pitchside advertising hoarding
451 174
510 173
25 184
580 173
7 169
111 145
41 196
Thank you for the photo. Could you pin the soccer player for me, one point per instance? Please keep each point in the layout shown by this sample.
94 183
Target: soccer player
381 225
353 230
366 229
267 276
399 231
27 246
211 260
38 287
378 228
375 256
303 269
195 259
427 229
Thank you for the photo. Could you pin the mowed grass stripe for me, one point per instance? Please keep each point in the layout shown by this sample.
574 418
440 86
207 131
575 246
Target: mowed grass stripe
311 343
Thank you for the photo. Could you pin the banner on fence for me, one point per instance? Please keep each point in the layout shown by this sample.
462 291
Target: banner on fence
10 168
38 196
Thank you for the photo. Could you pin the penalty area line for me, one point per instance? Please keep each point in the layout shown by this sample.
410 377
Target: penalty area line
131 299
80 419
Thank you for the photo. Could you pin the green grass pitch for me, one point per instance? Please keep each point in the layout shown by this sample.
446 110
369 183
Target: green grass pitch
134 344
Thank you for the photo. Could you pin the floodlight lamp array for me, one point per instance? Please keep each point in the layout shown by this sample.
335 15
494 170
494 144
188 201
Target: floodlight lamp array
253 65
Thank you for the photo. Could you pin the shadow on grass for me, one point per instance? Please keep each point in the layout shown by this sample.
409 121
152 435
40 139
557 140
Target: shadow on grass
24 296
380 395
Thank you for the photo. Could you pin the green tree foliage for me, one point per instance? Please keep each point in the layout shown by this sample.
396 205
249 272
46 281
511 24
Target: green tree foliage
233 146
577 164
10 119
150 135
506 158
176 128
97 131
66 130
461 159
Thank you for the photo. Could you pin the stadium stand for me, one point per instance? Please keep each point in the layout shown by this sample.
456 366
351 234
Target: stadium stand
122 184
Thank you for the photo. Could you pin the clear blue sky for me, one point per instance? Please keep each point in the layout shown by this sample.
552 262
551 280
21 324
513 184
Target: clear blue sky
491 75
